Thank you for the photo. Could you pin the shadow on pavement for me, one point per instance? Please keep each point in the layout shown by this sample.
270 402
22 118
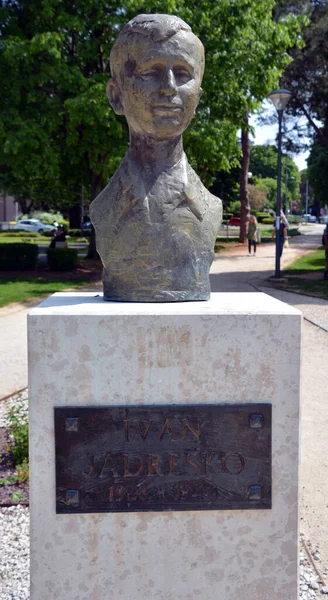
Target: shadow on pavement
237 282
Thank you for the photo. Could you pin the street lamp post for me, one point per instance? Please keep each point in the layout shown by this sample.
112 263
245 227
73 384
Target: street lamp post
279 99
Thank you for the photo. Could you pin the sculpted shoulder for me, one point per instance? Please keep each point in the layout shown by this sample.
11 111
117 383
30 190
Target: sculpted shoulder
106 203
212 205
215 205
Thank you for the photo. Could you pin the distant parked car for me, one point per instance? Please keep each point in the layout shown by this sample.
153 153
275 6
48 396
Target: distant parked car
235 221
86 225
324 219
33 225
309 218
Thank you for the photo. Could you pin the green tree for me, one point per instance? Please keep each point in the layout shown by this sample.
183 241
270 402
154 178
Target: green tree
246 53
306 75
257 197
318 173
226 187
57 130
263 161
263 166
269 185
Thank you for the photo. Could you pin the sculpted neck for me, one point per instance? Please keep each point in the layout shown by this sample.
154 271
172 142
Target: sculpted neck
153 155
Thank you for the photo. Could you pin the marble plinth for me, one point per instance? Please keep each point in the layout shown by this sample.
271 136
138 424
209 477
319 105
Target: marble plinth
235 348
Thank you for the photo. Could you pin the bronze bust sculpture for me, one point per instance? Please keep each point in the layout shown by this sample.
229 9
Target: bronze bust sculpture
155 222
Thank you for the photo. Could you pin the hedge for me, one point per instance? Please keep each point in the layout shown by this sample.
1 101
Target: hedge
18 256
62 259
79 232
267 221
19 233
262 217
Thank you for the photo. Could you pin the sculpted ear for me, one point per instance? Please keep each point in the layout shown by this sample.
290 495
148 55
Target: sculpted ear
114 95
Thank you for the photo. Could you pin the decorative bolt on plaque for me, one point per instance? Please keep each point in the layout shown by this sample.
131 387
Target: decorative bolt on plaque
255 492
71 424
72 497
256 421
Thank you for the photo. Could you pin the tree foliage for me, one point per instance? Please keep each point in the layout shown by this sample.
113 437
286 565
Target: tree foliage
257 197
306 75
269 185
57 130
318 173
263 166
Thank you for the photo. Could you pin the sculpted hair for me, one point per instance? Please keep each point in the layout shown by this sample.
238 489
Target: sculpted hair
157 27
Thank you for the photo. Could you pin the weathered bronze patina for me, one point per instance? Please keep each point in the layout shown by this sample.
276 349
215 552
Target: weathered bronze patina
155 222
160 458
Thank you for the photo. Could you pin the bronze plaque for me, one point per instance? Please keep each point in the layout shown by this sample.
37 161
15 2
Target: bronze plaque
159 458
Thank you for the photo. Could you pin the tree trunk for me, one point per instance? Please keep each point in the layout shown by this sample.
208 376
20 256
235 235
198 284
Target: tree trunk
244 201
26 206
75 217
96 186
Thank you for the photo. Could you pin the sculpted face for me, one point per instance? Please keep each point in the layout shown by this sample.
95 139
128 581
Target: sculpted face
159 88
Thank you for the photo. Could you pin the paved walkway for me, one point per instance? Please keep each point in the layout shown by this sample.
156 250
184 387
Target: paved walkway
236 271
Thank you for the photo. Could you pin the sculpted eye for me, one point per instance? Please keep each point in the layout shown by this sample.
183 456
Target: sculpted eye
150 74
182 74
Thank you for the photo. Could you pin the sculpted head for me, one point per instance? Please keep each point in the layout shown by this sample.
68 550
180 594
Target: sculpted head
157 66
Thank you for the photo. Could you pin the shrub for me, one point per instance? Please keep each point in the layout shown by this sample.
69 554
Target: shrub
86 232
267 221
79 232
263 215
64 223
18 430
48 234
74 232
18 256
19 233
62 259
46 217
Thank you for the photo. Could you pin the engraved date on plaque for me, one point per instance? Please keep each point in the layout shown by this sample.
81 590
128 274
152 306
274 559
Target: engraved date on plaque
159 458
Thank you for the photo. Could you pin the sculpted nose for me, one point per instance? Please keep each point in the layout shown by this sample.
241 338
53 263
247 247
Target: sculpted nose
169 86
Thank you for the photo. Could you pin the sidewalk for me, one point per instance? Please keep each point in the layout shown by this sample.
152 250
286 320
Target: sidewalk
238 272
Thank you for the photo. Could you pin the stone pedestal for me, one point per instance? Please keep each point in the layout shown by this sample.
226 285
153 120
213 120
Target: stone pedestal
235 348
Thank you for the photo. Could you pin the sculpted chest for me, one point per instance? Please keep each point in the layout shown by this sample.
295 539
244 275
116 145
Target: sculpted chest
158 241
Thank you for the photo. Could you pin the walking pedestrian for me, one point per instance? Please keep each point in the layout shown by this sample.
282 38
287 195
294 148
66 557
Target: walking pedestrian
252 234
325 241
283 237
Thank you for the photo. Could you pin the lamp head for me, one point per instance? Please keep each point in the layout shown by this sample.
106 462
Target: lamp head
280 98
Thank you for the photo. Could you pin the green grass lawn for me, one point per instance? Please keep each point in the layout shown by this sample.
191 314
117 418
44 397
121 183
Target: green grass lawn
318 288
40 239
305 275
19 288
314 261
11 239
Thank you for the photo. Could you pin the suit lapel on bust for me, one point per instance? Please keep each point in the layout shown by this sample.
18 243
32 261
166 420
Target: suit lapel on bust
131 198
176 188
195 193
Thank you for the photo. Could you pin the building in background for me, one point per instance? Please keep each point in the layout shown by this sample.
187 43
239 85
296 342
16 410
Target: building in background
8 208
